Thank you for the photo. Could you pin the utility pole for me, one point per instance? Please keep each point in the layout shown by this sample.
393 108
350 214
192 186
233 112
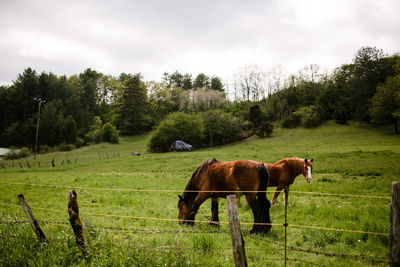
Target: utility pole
40 101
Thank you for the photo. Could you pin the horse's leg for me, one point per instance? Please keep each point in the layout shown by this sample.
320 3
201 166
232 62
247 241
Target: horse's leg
252 200
277 192
201 197
214 211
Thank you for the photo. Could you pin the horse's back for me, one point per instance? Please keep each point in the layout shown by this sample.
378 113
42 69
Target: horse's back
234 175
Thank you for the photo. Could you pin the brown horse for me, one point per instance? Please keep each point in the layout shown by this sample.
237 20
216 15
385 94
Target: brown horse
214 176
282 173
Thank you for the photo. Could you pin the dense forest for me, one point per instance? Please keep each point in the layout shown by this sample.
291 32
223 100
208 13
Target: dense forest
93 107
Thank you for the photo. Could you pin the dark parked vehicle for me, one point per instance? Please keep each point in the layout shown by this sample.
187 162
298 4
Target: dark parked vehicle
179 145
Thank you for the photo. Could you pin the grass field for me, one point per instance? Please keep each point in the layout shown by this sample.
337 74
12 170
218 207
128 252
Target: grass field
125 227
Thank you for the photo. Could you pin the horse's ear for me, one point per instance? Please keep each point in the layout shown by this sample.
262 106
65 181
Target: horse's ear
312 160
180 197
305 161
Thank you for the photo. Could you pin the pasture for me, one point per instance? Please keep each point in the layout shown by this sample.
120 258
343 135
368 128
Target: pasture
127 227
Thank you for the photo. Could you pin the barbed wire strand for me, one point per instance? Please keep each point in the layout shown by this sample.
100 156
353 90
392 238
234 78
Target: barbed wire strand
200 221
329 254
193 191
131 230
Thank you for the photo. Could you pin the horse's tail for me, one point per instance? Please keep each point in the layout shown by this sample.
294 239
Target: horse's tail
263 175
261 214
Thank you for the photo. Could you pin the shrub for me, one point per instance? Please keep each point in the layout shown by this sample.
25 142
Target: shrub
94 135
17 154
310 117
110 134
66 147
222 128
177 126
292 120
261 124
79 142
43 149
264 129
24 152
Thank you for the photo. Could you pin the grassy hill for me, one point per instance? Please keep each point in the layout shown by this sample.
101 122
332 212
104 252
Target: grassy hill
125 227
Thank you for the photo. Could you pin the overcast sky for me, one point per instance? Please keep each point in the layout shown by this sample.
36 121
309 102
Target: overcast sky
216 37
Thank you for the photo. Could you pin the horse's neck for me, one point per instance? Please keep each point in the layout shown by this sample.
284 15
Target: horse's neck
190 196
295 167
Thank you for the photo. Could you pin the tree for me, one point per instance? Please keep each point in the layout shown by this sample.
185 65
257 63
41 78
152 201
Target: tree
369 71
110 134
261 125
132 105
187 83
250 81
385 104
216 84
276 83
89 86
201 81
177 126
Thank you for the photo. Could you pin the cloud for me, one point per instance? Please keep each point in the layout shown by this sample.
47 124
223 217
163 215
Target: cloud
214 37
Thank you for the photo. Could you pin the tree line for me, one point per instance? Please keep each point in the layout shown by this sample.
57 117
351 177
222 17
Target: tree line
92 107
75 109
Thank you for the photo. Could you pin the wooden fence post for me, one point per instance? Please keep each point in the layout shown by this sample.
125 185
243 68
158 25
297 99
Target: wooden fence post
394 235
33 222
75 220
239 253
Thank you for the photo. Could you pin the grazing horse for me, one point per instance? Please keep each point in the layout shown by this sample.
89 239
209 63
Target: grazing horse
282 173
214 179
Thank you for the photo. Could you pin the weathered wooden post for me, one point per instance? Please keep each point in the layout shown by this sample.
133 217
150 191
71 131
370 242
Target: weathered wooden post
32 220
75 220
394 236
239 253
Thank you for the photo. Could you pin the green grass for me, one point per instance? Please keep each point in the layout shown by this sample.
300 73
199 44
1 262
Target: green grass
348 159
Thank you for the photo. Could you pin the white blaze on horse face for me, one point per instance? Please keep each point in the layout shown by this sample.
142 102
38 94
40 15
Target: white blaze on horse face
309 177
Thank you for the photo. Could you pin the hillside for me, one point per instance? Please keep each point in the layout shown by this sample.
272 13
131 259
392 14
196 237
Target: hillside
348 159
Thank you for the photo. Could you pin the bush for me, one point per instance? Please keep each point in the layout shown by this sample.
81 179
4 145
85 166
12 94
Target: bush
17 154
310 117
94 135
66 147
79 142
177 126
110 134
292 120
222 128
43 149
24 152
264 129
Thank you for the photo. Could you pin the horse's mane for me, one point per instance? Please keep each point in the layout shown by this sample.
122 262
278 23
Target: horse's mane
191 185
295 164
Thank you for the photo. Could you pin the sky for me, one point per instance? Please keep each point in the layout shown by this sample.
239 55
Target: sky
214 37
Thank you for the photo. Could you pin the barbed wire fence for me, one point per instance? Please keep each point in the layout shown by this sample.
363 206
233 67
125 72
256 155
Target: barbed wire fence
163 231
52 162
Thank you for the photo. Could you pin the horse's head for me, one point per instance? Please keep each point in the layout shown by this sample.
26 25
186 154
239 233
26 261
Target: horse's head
307 170
183 209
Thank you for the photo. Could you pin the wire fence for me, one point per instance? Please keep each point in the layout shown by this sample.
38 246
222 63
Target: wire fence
69 160
191 191
214 250
206 222
164 231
